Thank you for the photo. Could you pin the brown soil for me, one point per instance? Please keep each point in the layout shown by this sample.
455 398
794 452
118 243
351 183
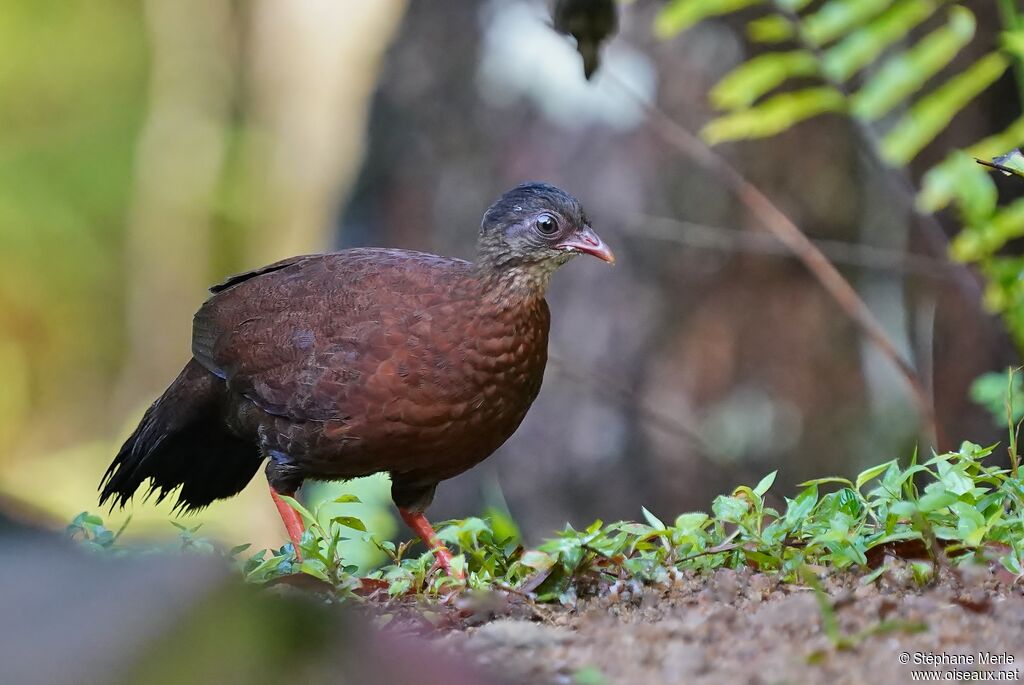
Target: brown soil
748 628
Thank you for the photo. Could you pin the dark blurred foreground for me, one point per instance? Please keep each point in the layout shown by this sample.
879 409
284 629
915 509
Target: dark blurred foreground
75 618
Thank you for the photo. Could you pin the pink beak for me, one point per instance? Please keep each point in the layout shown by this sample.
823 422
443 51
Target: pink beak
585 241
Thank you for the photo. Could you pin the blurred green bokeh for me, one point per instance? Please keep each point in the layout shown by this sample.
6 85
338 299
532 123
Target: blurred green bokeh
129 180
73 77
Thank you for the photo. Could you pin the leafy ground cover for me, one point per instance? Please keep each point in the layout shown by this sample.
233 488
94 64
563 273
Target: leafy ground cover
942 513
836 582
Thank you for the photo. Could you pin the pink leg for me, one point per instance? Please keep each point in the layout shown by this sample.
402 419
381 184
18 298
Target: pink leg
421 526
292 521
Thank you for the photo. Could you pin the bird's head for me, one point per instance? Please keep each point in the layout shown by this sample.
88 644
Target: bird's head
531 231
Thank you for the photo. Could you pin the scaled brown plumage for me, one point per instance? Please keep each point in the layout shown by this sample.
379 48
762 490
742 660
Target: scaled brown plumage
342 365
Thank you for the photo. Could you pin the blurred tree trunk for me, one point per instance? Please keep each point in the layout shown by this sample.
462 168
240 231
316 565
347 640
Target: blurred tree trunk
310 69
178 165
315 65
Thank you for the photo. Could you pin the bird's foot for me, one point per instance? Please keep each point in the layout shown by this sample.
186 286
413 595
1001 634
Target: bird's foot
442 556
443 561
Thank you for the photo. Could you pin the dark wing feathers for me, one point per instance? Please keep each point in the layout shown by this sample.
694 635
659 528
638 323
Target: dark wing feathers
245 276
293 337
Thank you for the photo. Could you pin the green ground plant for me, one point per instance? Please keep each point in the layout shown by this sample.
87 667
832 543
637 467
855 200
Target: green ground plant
949 510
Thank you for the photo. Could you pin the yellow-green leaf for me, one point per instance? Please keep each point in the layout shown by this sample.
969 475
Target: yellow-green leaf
742 86
679 15
837 17
932 113
771 29
986 239
906 72
964 180
774 115
863 46
959 177
1013 42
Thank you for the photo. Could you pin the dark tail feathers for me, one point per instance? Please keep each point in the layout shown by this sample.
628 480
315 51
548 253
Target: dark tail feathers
182 442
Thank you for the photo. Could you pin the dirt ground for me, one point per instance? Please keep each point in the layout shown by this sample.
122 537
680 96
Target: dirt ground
741 627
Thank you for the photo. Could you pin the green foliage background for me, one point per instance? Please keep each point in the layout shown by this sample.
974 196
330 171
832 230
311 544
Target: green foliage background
69 119
901 70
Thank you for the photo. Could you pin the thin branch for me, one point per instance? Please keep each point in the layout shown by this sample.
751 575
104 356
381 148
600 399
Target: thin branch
670 424
935 237
775 220
704 236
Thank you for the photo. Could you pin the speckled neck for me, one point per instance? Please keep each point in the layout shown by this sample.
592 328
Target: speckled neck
511 285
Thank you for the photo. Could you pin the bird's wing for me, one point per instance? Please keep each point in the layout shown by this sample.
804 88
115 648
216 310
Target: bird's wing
298 338
231 281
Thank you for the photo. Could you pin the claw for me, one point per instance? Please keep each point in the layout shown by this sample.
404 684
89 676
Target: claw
421 526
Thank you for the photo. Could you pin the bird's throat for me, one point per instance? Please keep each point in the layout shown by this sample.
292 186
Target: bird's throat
511 286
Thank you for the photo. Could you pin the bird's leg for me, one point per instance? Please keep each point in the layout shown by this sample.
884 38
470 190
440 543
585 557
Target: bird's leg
421 526
292 520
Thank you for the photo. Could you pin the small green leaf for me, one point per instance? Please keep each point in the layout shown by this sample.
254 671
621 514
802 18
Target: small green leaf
306 515
679 15
1013 42
653 520
874 575
636 528
933 501
535 559
985 239
954 478
932 113
827 479
837 17
906 72
503 525
589 675
1011 163
961 179
774 115
350 522
265 568
730 509
315 568
765 483
686 523
346 499
770 29
873 472
865 45
1012 564
742 86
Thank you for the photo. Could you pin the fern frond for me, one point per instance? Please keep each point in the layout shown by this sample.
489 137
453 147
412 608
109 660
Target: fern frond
864 45
959 179
837 18
878 40
931 114
679 15
987 238
774 115
770 29
906 72
746 83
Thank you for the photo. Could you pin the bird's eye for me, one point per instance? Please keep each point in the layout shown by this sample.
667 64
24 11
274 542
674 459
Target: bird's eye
546 224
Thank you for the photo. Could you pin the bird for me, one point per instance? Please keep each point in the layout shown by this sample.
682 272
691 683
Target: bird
366 360
590 22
